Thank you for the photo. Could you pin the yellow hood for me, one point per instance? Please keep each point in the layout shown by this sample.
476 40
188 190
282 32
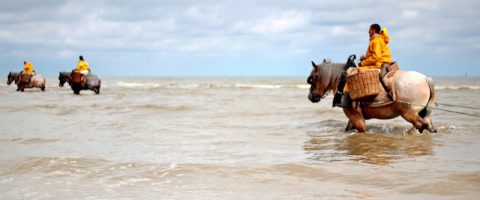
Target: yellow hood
384 34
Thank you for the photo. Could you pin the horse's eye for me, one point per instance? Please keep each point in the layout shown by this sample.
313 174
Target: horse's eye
309 80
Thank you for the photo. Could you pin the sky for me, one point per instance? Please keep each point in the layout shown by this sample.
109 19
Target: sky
234 38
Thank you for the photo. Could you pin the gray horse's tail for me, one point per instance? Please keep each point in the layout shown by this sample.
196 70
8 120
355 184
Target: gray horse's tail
431 104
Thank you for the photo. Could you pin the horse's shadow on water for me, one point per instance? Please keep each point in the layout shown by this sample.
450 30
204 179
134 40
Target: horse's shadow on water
385 144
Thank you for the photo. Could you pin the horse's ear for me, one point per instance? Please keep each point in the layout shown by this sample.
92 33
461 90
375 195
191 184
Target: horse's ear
314 65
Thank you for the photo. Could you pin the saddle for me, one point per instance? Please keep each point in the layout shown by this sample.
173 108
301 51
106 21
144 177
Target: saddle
76 77
25 78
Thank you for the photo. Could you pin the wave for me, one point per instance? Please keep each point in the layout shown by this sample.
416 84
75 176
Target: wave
457 87
207 85
28 140
143 85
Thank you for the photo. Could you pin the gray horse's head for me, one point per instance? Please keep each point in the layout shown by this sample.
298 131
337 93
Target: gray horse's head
12 76
63 78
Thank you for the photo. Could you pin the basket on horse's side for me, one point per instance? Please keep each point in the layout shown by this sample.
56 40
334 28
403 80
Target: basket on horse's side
363 84
25 78
76 77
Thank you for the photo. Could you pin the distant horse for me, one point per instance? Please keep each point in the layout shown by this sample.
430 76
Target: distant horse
410 86
36 81
92 82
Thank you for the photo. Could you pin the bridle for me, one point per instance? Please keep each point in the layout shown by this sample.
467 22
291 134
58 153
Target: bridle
311 82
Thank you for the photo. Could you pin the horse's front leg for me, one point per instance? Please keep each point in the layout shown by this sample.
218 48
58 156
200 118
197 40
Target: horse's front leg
356 119
349 127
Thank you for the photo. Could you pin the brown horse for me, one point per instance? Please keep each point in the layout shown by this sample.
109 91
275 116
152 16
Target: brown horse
415 97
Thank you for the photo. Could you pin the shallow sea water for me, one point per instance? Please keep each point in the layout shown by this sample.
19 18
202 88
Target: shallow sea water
227 138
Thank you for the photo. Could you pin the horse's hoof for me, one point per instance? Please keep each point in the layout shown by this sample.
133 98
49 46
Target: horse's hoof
421 130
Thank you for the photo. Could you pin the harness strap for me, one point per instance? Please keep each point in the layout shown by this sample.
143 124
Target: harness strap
343 79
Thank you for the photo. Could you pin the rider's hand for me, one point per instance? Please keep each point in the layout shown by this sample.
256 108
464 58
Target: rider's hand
362 57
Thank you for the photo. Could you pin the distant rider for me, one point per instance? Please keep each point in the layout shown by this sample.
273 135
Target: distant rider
27 69
82 66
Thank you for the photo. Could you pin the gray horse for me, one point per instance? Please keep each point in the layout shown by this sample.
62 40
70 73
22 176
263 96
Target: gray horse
36 81
92 82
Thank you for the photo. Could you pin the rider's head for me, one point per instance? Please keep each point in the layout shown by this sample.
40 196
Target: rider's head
81 57
374 29
24 62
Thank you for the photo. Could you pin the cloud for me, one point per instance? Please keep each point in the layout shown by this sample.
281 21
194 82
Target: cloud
284 22
409 14
274 32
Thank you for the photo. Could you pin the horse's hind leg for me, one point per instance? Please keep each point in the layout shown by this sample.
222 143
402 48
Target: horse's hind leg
417 121
425 115
431 128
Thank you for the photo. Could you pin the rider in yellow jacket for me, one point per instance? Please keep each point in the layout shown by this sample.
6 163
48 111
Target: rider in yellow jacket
377 51
82 66
27 69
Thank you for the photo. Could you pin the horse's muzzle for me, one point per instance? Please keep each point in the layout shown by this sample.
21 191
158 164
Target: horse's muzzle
314 98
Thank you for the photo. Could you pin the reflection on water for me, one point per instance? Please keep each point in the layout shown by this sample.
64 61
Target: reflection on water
374 148
383 149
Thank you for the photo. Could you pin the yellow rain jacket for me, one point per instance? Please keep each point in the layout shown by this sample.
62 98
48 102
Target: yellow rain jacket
82 65
377 51
28 68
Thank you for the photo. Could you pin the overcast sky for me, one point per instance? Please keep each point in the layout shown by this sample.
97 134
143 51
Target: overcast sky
234 38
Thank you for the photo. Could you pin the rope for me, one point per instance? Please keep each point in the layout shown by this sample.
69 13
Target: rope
451 105
452 111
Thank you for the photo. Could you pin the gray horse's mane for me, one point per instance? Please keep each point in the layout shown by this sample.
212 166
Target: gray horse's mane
14 73
330 74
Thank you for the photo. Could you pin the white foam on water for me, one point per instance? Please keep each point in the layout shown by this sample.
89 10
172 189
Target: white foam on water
457 87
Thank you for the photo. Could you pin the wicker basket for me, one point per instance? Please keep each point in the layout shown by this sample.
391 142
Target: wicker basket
364 84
